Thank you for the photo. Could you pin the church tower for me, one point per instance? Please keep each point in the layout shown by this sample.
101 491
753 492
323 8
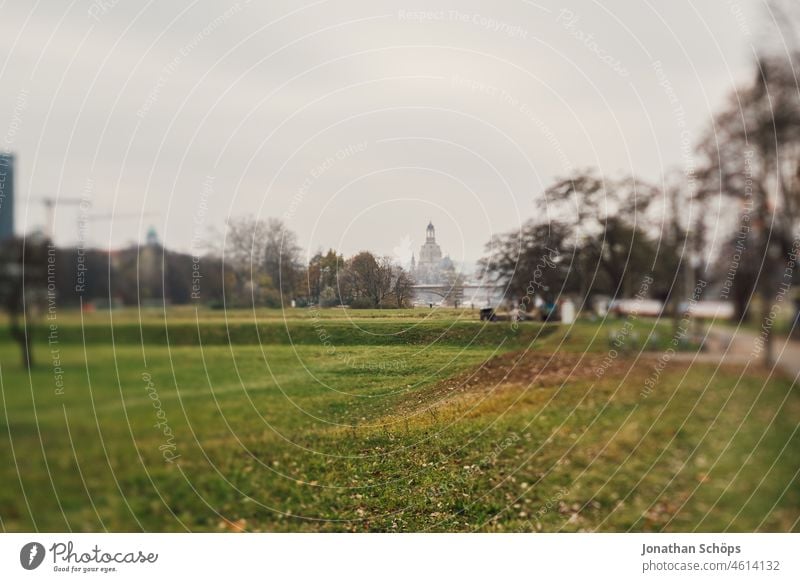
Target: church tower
428 268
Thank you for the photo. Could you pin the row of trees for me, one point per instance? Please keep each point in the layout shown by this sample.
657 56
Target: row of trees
606 236
751 157
255 262
265 256
598 237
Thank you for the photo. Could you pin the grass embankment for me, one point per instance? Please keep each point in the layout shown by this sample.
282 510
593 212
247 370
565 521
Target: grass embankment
384 423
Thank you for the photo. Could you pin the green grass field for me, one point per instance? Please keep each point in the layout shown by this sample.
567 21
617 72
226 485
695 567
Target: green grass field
407 420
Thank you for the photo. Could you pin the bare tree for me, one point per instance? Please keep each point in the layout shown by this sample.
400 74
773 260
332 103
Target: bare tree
402 286
263 259
370 278
281 256
587 201
752 155
606 225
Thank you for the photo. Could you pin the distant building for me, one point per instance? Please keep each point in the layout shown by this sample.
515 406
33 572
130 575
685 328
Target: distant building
6 196
152 237
432 267
151 270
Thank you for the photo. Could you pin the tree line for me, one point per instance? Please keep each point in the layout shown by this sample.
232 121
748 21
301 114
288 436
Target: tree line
732 221
255 263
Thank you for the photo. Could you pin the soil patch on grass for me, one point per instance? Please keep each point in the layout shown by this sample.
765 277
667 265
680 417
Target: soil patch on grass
526 369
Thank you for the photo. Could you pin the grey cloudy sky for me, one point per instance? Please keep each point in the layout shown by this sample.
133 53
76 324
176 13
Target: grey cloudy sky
356 121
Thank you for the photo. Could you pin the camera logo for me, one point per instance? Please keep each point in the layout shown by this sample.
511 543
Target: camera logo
31 555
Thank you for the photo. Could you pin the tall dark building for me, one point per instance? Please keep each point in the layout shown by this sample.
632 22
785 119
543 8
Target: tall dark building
6 196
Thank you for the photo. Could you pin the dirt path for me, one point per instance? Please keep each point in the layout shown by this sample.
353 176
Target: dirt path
739 346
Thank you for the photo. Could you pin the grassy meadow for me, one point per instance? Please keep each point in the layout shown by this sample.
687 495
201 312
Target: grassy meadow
401 420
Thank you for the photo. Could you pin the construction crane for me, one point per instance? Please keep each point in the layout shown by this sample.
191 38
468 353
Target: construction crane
49 203
119 216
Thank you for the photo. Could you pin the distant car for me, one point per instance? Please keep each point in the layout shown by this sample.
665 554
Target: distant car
488 314
638 307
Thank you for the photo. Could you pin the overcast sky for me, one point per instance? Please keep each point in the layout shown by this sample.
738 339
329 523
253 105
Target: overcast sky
355 121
